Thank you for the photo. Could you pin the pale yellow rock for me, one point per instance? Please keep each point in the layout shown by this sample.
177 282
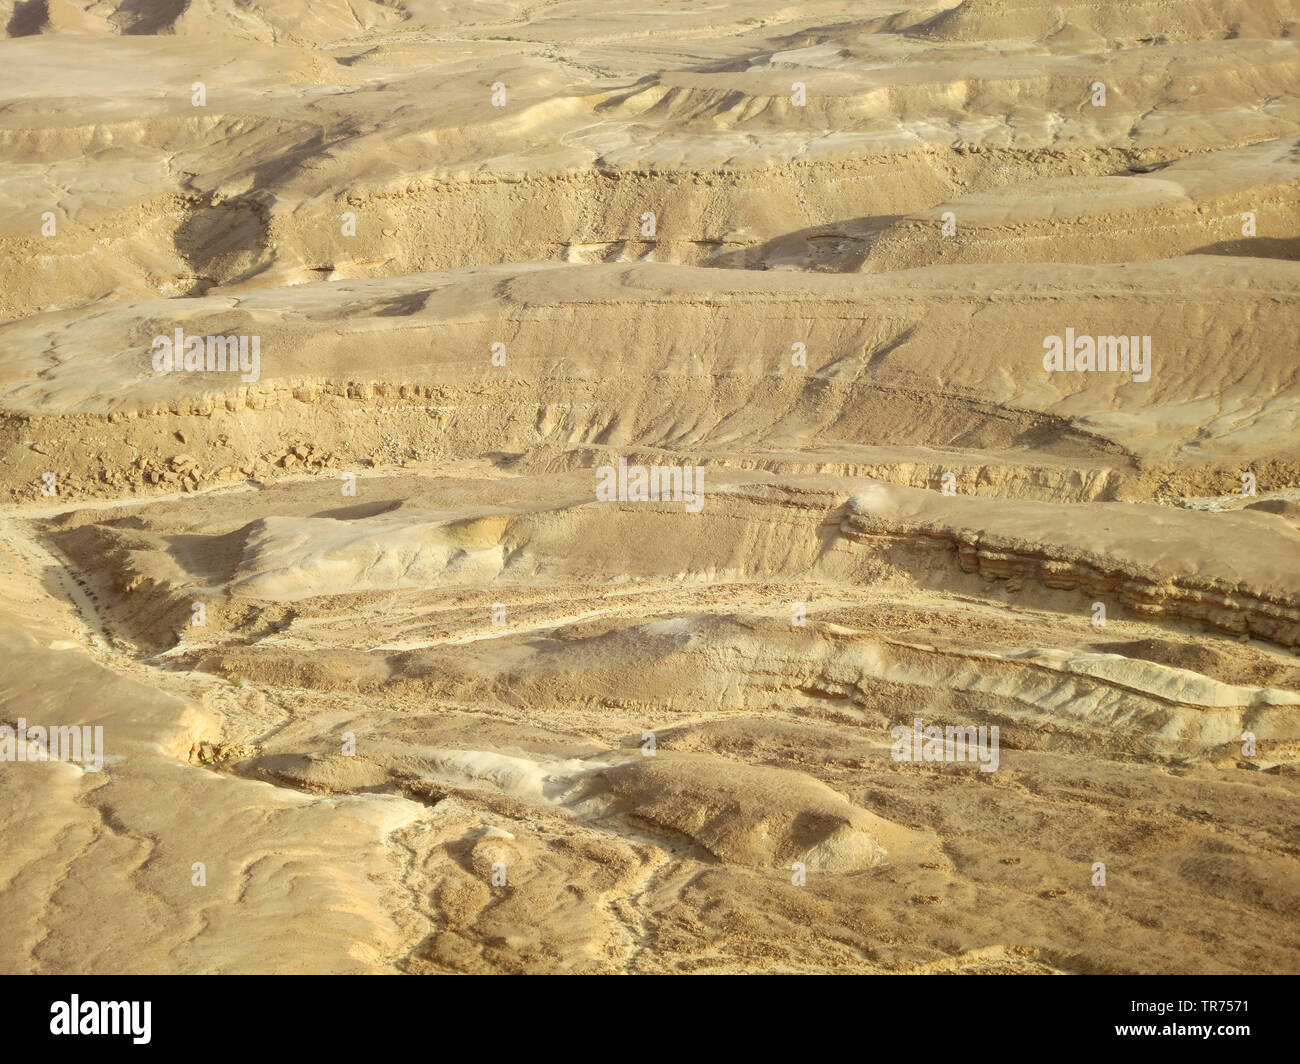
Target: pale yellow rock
396 669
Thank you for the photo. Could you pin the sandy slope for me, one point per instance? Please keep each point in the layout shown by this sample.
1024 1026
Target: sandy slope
431 656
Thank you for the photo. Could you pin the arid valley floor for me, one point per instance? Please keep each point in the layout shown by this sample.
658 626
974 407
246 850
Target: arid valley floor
387 683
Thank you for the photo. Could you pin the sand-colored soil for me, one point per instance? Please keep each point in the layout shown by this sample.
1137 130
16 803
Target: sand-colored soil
377 662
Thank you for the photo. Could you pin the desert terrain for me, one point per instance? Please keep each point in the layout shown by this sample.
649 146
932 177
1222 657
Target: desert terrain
397 669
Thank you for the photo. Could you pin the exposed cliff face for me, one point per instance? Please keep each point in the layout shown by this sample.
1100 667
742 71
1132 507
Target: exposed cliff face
1143 557
603 488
